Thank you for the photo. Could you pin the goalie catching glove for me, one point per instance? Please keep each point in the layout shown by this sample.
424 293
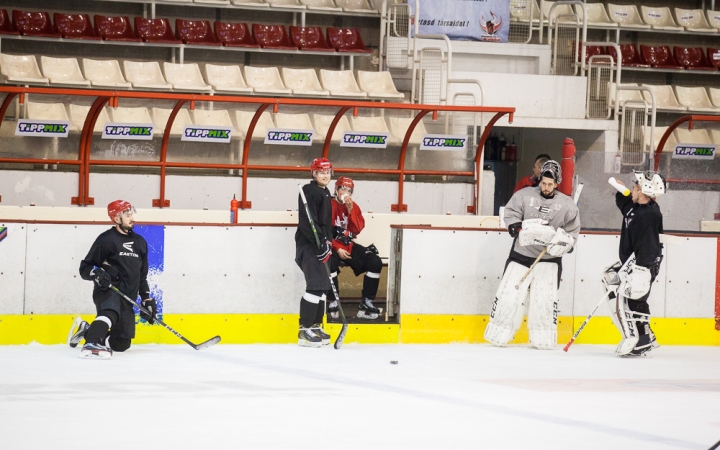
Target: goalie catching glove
561 243
344 236
636 283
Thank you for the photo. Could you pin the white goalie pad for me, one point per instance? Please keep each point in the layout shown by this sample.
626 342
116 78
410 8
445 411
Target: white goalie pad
561 243
626 322
636 283
509 306
542 313
536 235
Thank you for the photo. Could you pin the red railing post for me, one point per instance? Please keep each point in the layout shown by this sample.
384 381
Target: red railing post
478 159
162 202
244 204
400 206
331 130
83 198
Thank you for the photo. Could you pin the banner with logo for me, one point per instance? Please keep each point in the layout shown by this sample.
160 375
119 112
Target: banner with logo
199 133
280 136
364 139
445 142
134 131
694 151
475 20
42 128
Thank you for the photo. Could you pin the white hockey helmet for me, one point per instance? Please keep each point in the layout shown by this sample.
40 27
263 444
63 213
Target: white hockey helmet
551 169
651 183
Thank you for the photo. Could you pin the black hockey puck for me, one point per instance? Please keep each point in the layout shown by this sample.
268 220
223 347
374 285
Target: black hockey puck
393 362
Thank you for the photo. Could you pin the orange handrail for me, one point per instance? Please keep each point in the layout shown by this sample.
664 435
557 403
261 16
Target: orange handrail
111 97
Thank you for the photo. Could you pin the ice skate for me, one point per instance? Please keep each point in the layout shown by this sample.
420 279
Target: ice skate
95 351
308 338
334 309
367 310
77 332
317 328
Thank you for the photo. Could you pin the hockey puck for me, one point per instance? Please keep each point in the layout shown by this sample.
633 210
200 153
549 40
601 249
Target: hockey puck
393 362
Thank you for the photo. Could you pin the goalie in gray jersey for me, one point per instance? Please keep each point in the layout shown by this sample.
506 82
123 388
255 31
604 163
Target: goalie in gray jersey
538 218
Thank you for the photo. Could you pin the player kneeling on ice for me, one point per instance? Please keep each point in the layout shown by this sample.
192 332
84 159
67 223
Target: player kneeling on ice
118 258
348 222
545 224
630 279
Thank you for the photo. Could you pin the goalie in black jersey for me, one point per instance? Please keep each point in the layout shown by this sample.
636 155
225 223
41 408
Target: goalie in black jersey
630 279
118 258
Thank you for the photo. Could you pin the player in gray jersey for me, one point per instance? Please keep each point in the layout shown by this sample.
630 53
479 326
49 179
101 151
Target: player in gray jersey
538 218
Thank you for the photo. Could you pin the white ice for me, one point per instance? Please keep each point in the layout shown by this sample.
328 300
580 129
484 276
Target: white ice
287 397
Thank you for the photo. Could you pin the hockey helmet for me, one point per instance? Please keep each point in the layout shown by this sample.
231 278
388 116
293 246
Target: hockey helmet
118 207
345 182
320 164
551 169
651 183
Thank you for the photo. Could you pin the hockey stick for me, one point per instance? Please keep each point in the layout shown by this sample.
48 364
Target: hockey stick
343 330
587 319
517 286
206 344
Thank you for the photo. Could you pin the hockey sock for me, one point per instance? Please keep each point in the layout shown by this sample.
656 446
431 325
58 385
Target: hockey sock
309 307
320 312
371 281
100 327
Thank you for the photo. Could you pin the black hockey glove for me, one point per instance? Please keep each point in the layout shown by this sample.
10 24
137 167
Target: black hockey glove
324 251
514 229
343 235
372 249
151 306
101 278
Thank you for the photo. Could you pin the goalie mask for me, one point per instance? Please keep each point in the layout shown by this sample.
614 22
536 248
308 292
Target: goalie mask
651 184
551 169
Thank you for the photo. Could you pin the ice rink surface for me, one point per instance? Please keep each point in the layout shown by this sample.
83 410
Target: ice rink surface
287 397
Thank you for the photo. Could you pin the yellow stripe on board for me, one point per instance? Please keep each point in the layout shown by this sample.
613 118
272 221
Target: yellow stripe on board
413 329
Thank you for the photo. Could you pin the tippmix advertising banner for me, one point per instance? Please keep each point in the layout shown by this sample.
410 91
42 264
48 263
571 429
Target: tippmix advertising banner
475 20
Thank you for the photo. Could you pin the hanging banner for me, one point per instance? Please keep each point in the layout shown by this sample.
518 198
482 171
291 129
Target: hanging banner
365 139
132 131
200 133
694 151
474 20
279 136
42 128
444 142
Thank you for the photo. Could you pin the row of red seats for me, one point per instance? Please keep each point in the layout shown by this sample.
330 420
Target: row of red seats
660 57
194 32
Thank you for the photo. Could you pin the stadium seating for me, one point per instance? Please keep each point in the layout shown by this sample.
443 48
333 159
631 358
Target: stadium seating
6 25
696 136
115 28
265 80
234 35
322 126
713 57
21 69
520 12
558 11
217 117
185 77
145 75
48 111
692 58
695 98
155 30
378 85
713 18
594 50
264 123
303 82
226 79
104 73
625 96
341 83
63 71
75 26
250 2
659 17
309 38
659 57
626 16
272 36
346 40
693 20
664 97
369 124
322 5
357 6
213 2
293 121
597 15
124 114
630 56
286 4
400 125
34 24
714 94
195 32
160 118
78 114
653 143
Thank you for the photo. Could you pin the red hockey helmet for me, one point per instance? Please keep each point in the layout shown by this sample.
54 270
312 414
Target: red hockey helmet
117 207
345 182
320 164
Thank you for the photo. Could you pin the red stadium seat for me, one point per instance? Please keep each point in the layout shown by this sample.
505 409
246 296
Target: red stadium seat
155 30
272 36
346 40
75 26
234 35
309 38
630 56
115 28
594 50
692 58
713 56
34 24
195 32
6 26
659 57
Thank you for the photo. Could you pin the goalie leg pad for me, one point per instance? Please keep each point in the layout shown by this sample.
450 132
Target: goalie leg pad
508 308
542 313
627 322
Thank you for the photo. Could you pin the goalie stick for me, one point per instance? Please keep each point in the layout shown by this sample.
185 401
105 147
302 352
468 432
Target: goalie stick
339 341
585 322
206 344
517 286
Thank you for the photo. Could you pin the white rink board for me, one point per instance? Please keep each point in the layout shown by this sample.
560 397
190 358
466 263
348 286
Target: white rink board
691 280
12 270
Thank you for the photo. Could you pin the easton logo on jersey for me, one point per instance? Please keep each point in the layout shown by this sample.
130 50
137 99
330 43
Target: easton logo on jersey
128 246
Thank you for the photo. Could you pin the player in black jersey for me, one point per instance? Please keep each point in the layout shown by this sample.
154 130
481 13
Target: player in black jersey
631 278
118 257
312 258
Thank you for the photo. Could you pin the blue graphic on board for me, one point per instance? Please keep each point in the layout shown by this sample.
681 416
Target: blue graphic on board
155 237
475 20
